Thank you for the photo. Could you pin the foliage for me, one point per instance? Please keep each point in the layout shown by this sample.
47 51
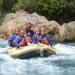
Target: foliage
7 5
1 1
59 10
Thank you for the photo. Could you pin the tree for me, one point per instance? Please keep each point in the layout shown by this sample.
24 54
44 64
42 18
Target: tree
59 10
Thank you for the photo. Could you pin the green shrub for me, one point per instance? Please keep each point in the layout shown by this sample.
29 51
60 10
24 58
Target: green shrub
59 10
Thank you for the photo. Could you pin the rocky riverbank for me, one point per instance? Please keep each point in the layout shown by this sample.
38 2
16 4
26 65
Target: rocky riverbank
20 18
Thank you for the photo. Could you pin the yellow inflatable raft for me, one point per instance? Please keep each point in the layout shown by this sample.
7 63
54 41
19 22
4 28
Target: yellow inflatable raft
32 50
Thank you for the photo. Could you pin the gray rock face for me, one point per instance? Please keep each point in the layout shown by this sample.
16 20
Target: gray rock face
20 19
69 30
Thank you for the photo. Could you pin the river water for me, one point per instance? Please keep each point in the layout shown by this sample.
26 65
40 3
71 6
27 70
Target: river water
63 63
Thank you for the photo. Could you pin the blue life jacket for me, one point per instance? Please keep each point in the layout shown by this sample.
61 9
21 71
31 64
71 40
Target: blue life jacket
35 38
46 39
17 40
20 41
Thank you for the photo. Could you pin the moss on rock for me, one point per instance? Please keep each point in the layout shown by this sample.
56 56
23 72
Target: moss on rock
71 39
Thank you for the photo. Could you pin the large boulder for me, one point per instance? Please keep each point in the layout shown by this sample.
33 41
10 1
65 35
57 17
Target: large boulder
53 28
20 18
69 29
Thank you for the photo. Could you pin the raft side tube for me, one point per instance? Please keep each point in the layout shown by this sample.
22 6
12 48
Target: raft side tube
33 54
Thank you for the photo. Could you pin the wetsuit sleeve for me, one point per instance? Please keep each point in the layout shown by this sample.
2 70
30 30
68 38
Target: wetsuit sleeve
11 37
17 40
28 34
9 43
34 39
40 38
49 39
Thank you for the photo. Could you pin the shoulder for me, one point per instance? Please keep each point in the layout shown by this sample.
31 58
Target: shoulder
18 36
11 35
47 35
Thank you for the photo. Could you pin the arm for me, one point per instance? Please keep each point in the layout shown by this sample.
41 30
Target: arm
49 39
17 40
9 43
11 37
28 34
34 39
40 37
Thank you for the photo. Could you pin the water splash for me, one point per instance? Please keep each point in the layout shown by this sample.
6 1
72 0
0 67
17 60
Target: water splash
63 63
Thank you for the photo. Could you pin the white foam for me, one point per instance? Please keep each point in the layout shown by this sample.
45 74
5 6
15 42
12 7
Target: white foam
64 49
39 66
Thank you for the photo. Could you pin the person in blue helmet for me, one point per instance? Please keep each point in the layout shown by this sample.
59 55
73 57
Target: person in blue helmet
36 36
20 40
11 40
45 38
